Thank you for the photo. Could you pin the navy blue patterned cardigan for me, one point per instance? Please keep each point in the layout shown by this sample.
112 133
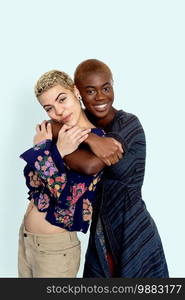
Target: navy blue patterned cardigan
121 222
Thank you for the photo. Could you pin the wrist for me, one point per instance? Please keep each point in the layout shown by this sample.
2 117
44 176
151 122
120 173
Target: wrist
91 139
62 154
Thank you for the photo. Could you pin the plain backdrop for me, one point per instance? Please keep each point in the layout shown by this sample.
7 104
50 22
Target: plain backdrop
142 41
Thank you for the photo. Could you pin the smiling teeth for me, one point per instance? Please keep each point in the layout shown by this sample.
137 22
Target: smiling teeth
101 106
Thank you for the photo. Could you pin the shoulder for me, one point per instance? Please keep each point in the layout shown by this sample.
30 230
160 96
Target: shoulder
127 128
126 120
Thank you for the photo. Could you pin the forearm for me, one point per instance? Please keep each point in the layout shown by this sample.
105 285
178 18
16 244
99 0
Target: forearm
92 139
84 161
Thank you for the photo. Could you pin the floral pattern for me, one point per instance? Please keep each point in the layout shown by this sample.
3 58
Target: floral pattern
43 201
77 191
48 171
87 210
68 203
34 179
92 186
65 216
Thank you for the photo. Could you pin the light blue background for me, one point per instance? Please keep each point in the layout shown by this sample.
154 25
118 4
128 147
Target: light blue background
143 43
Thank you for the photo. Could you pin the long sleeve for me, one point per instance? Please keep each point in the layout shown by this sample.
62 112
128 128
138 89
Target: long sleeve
43 158
131 135
33 180
37 190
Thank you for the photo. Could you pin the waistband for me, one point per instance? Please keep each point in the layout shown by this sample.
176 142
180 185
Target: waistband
66 236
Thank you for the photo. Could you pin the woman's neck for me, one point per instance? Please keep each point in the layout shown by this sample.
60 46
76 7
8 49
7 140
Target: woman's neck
84 122
102 122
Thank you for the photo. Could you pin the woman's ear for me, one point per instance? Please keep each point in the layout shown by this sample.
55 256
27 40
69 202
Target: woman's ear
77 93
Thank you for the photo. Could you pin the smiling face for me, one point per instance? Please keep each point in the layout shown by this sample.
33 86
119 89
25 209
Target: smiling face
97 94
62 105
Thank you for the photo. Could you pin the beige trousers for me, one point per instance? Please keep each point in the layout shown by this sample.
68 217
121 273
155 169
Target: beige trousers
48 255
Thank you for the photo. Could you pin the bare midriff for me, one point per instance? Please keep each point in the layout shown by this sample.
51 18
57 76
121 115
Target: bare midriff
35 222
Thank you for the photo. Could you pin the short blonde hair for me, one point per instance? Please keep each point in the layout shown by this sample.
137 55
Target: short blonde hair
52 78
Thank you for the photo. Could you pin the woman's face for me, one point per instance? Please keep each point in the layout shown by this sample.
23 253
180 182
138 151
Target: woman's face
62 105
97 93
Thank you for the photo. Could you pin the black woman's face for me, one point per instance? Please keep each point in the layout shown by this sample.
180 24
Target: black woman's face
97 93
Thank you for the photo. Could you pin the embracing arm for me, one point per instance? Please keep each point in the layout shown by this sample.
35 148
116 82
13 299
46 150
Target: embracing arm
109 149
99 152
105 152
84 161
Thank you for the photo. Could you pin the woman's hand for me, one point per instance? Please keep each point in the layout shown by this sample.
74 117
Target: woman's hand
69 138
44 132
107 149
55 128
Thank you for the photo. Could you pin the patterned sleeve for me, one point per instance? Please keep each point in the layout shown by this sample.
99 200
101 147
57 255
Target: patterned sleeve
33 180
43 162
37 190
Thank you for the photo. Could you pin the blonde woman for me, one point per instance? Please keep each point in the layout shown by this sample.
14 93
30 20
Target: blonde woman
60 198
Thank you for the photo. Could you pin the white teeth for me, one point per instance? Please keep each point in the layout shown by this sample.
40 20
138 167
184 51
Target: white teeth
101 106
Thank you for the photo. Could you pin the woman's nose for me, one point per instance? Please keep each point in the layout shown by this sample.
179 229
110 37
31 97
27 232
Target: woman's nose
99 95
59 111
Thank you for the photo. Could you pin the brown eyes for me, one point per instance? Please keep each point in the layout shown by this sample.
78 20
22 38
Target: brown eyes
90 92
105 89
61 99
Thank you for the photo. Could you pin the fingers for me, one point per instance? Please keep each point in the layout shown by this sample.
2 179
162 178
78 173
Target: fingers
43 126
77 134
49 129
38 128
83 138
113 159
44 130
74 132
119 155
119 146
64 129
107 162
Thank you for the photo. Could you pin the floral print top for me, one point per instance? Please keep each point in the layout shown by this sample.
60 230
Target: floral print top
67 196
